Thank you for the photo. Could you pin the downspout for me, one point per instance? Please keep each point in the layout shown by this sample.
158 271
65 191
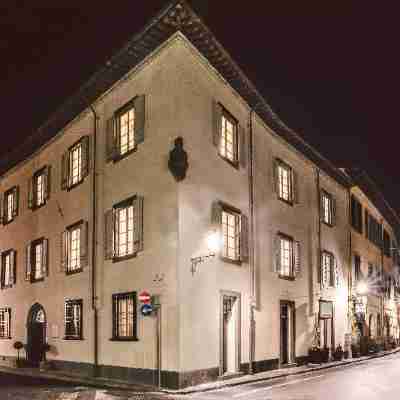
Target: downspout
319 262
350 273
94 245
251 247
384 280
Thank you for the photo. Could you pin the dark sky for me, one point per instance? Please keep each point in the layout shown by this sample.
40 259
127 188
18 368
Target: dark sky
330 69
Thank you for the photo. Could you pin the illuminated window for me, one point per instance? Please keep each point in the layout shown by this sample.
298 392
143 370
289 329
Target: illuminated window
7 269
286 256
327 208
126 130
285 184
228 141
36 260
38 254
74 259
39 189
75 167
124 316
73 319
5 323
231 234
10 205
328 269
124 226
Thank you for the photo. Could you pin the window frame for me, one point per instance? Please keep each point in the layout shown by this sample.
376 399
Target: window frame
130 105
291 276
225 114
71 185
79 303
115 320
41 172
5 254
7 322
70 229
329 198
34 244
331 279
386 243
13 193
289 170
356 215
228 209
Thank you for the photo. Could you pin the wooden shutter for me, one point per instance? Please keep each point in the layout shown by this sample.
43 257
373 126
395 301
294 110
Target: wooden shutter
84 248
140 118
321 205
295 187
85 143
16 201
109 235
216 123
296 258
333 210
244 238
47 182
277 254
28 262
45 257
243 146
2 272
1 210
111 143
366 223
65 171
30 192
138 221
275 176
13 269
64 242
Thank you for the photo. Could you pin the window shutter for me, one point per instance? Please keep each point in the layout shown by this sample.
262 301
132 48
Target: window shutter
65 170
138 229
216 217
64 251
333 210
321 205
85 156
111 143
276 262
321 270
217 118
109 235
366 224
30 193
2 273
140 118
244 238
28 266
275 176
243 146
45 256
16 201
1 210
84 251
295 188
5 209
297 258
47 182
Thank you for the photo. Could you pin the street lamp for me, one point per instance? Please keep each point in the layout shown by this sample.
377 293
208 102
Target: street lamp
362 288
213 241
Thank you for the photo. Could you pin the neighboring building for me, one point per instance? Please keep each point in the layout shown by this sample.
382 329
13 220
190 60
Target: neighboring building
95 211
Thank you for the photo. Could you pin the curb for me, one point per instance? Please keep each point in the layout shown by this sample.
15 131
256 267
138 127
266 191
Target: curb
227 384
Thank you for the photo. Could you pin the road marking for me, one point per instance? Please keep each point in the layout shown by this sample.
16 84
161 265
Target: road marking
277 386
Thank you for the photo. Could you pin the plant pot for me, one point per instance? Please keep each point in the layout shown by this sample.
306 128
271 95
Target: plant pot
337 355
315 356
346 354
325 355
355 351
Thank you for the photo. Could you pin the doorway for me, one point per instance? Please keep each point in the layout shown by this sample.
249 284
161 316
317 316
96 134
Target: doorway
36 334
287 332
230 333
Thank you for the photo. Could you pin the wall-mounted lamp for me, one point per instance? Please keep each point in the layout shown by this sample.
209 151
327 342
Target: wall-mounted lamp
213 244
362 288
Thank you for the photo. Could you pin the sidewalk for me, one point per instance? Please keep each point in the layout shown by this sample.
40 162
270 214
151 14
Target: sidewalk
58 376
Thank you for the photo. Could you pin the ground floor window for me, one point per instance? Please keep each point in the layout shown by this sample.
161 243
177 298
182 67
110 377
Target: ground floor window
124 316
73 319
5 323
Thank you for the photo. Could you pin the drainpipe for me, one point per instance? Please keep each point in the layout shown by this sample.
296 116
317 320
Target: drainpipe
319 263
350 274
94 244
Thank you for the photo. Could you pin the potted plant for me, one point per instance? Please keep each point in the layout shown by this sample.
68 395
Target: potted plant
355 350
315 355
338 353
18 346
325 354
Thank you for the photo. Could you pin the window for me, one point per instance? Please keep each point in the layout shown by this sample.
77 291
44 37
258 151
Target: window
124 316
36 260
373 229
328 269
357 268
39 188
386 243
285 181
370 270
75 164
287 251
125 130
74 256
8 269
10 205
228 144
5 323
73 319
356 215
124 229
231 234
327 208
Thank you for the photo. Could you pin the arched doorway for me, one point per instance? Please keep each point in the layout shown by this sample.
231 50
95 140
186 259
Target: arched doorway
36 334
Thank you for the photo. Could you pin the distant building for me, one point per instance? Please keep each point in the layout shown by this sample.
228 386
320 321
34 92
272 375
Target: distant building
168 172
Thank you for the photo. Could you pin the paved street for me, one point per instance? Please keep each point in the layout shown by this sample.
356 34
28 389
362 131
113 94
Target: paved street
370 380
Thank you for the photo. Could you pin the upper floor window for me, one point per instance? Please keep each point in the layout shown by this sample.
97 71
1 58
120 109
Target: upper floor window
36 260
356 215
8 269
124 229
73 319
357 268
74 255
285 181
124 316
328 209
386 243
232 225
287 253
10 204
75 164
373 229
39 188
228 145
125 130
5 323
329 269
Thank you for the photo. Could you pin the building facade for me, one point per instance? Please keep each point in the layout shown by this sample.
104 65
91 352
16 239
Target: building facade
169 173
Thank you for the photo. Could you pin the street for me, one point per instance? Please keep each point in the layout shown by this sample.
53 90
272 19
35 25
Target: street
371 380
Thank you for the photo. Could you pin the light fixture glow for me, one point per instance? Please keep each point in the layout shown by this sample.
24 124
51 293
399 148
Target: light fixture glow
213 242
362 288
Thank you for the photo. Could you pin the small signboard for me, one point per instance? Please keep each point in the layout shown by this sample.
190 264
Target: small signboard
144 297
325 309
146 309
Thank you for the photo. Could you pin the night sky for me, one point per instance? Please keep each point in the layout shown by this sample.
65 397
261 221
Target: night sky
330 69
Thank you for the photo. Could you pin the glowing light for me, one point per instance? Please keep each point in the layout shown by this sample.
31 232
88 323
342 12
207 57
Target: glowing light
362 288
213 242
